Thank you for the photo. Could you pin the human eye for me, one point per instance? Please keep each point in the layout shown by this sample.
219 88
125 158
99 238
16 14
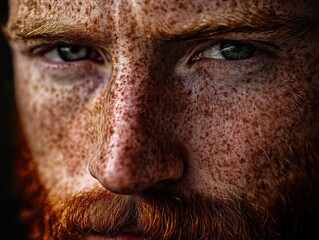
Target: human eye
72 53
70 63
233 58
228 50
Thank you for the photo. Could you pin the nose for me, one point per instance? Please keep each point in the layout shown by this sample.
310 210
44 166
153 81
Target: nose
136 153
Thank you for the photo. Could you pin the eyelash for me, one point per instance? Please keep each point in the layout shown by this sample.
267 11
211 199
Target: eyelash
39 50
260 48
59 54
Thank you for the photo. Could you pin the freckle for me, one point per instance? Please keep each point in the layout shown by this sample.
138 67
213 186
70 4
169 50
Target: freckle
34 108
172 22
242 160
234 4
131 49
145 10
199 10
234 89
181 6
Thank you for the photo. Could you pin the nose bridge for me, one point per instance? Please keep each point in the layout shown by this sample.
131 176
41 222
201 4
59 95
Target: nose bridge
130 87
127 159
130 91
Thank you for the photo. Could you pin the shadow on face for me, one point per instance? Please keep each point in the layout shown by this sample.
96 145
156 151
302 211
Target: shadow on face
10 221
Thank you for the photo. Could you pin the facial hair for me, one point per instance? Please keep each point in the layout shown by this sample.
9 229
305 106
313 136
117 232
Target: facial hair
164 215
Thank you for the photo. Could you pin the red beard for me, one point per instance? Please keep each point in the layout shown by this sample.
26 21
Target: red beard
161 215
155 216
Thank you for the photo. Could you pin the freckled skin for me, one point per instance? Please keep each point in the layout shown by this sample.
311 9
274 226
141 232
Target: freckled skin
150 120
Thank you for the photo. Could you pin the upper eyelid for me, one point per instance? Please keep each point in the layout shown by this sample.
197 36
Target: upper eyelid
41 46
42 49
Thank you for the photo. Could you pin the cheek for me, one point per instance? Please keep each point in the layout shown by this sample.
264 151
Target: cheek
232 132
59 125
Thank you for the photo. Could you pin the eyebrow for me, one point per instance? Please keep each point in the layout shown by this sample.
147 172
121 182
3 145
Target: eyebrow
288 26
47 30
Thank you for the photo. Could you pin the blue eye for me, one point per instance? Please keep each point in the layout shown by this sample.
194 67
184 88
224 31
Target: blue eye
228 50
236 51
72 53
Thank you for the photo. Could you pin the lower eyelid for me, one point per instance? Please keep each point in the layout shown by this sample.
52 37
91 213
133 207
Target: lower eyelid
232 68
59 64
73 74
67 69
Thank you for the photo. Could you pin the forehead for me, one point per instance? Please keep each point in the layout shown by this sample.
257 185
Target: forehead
154 15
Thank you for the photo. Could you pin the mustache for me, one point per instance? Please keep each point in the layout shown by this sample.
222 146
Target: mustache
158 216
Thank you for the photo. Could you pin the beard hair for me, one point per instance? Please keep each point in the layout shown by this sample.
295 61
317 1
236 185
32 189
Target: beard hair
155 215
163 215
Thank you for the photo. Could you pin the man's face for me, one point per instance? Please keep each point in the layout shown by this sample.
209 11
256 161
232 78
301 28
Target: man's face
166 119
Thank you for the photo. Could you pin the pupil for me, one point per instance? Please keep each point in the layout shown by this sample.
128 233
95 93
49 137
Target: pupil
74 53
236 51
75 49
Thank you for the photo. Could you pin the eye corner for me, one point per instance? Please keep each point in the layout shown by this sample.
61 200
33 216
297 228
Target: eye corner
195 57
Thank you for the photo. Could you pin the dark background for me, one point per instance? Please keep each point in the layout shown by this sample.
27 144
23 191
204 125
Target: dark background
9 225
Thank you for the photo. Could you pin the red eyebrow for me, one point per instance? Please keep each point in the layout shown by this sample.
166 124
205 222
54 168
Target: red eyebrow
291 26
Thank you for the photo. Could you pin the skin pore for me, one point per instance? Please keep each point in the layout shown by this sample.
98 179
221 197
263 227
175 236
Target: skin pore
139 120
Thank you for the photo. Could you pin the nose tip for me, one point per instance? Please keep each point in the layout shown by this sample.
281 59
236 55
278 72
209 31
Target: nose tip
124 180
132 162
